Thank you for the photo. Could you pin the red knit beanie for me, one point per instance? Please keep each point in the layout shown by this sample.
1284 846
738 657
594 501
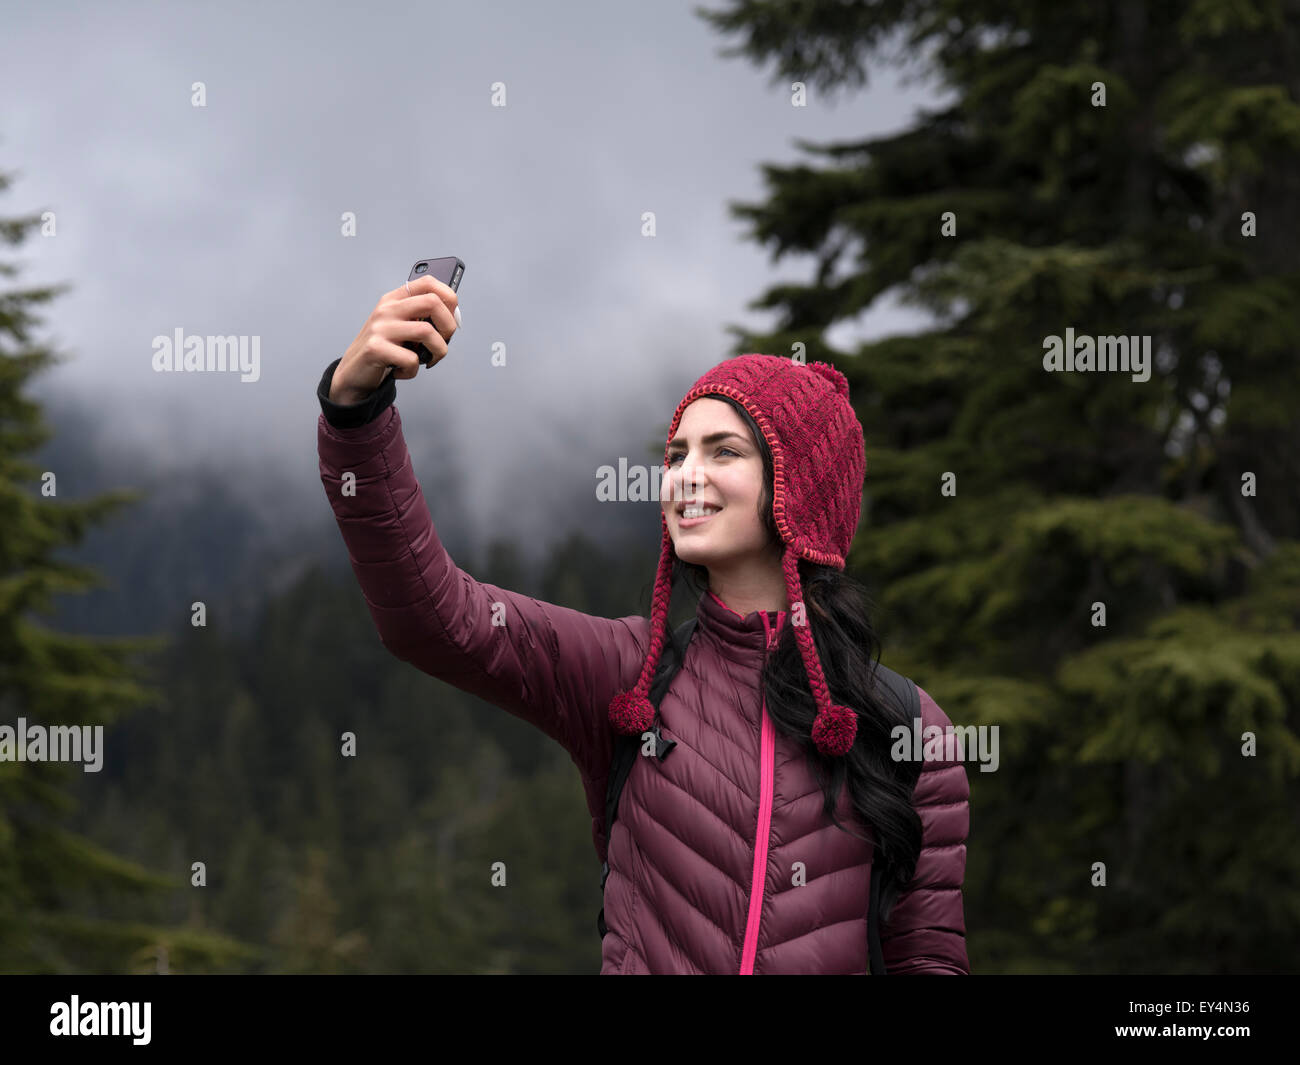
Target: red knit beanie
819 462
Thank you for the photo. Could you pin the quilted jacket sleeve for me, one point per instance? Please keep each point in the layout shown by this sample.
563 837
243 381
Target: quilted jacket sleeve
552 666
926 931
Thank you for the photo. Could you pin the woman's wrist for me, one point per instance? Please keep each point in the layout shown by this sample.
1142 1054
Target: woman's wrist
347 397
347 409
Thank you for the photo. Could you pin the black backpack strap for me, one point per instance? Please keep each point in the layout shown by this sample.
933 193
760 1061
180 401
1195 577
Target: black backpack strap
626 747
905 694
873 926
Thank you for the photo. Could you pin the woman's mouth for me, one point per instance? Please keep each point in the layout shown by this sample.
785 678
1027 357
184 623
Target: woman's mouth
693 516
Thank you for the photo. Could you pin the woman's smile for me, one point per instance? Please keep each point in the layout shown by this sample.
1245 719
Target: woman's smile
691 523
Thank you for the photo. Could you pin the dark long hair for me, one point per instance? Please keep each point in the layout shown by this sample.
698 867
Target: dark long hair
838 613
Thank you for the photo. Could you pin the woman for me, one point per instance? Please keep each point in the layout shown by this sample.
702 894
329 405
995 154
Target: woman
751 848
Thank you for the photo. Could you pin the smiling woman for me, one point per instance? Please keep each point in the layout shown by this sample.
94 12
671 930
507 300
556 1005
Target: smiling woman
715 463
775 698
773 453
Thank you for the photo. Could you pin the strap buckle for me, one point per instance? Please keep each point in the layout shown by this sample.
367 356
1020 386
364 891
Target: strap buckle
662 746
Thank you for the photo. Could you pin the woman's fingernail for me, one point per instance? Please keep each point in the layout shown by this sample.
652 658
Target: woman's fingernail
456 314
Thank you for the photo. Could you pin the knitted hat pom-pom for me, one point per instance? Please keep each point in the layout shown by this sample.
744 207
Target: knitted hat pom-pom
631 714
834 730
834 376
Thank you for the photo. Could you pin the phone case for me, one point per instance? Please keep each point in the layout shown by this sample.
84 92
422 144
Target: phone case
449 271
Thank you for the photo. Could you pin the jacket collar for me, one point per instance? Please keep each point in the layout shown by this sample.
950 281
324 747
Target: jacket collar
732 628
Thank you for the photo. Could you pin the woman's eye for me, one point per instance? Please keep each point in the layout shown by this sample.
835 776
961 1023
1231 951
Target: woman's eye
672 459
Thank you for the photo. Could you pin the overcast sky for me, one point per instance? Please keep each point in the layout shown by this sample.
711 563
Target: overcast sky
226 219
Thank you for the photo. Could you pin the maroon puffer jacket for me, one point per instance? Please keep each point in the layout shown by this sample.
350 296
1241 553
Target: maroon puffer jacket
711 844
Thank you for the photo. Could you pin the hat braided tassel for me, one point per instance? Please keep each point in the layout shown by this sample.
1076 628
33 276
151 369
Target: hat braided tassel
836 726
631 713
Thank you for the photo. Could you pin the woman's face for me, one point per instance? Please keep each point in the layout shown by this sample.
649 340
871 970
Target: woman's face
726 472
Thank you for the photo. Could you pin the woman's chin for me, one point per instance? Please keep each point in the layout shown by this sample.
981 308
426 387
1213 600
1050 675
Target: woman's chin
690 552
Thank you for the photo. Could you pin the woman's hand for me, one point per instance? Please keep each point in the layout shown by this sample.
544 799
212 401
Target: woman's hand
397 317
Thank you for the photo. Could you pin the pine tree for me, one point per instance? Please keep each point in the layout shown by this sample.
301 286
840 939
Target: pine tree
1105 567
56 884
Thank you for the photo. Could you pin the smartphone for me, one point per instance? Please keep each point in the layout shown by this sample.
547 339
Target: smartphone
448 270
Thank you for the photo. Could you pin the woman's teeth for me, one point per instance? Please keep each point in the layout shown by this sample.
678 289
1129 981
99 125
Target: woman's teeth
698 512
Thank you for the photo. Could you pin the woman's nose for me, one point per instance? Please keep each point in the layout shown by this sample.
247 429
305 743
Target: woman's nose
685 483
692 479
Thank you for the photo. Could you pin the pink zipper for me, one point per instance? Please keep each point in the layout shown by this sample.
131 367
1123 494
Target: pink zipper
767 756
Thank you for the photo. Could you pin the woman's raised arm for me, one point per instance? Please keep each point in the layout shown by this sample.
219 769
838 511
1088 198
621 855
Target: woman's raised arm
552 666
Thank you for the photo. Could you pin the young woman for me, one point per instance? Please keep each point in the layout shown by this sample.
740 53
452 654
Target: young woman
751 849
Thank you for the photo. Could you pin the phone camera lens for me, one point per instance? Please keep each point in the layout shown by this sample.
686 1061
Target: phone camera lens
421 267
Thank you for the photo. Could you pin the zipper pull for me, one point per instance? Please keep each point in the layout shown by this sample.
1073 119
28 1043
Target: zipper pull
774 630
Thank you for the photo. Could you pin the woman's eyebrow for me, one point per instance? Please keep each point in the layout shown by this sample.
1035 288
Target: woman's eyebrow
712 438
